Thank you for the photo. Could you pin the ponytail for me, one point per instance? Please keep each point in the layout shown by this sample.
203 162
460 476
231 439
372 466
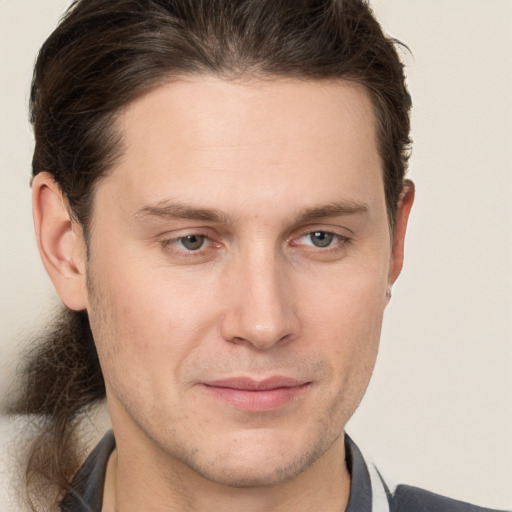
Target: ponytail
60 381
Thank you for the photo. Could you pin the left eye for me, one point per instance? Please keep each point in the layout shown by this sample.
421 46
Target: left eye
320 239
192 242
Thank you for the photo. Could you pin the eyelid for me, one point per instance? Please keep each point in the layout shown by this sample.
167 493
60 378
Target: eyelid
338 232
170 243
176 239
339 241
183 232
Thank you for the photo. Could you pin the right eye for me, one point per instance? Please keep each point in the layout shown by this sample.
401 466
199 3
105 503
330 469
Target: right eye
321 238
190 242
193 247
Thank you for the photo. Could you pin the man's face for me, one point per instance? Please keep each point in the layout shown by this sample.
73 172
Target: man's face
240 256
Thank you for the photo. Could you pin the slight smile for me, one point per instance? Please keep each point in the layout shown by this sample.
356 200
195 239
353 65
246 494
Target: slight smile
252 395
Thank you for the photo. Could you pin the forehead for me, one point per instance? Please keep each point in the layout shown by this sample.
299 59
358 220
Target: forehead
240 141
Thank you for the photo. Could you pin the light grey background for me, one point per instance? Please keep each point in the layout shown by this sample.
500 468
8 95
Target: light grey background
439 410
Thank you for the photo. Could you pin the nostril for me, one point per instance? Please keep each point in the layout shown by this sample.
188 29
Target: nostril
261 342
237 340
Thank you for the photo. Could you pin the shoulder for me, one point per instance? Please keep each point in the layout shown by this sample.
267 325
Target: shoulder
412 499
370 492
86 491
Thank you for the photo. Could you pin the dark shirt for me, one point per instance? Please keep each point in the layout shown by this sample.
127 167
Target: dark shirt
368 491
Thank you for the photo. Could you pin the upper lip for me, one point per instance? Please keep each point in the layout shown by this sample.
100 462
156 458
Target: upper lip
251 384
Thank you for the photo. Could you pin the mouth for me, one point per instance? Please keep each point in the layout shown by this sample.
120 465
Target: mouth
252 395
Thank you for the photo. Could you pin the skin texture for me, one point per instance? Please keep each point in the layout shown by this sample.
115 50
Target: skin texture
249 170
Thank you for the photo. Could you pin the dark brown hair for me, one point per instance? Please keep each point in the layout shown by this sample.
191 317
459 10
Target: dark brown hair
104 54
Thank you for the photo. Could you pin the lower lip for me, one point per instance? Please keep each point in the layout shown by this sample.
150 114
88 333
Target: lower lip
257 400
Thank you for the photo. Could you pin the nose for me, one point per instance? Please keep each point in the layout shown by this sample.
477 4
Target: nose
260 310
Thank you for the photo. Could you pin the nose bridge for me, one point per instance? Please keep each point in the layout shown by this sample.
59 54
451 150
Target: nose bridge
261 312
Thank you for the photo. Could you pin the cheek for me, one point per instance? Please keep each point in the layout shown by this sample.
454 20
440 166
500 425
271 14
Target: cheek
144 295
344 319
152 328
348 302
144 326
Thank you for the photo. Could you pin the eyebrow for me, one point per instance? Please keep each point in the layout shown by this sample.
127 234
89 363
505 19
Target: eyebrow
332 210
174 210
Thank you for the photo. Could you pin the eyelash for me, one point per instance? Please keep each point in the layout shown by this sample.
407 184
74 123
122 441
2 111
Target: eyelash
171 245
339 240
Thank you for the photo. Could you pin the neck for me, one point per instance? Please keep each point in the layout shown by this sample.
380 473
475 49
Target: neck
134 484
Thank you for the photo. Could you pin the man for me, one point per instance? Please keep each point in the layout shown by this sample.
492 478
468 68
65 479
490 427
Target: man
219 200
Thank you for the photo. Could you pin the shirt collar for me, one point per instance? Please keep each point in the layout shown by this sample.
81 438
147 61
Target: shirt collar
368 491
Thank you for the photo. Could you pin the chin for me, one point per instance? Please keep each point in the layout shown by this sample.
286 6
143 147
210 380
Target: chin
260 464
246 476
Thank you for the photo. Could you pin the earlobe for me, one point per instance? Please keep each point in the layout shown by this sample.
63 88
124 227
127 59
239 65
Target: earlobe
60 241
397 255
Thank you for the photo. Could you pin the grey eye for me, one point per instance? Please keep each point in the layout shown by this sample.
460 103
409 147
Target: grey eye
193 242
321 238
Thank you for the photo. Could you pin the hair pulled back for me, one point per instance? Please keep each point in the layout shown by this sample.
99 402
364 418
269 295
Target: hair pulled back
103 55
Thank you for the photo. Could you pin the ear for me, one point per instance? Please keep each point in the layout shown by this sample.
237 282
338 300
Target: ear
60 241
397 250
